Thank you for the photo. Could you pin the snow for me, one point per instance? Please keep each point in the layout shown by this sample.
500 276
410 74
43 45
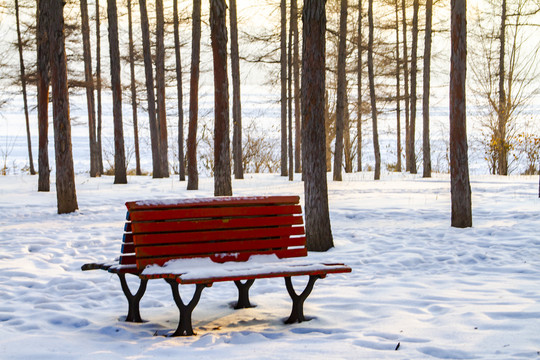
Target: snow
437 291
205 268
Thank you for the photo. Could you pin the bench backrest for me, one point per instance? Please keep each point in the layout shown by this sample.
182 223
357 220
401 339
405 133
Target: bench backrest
222 228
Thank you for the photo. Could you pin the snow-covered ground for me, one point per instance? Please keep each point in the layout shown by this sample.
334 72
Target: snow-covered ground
437 291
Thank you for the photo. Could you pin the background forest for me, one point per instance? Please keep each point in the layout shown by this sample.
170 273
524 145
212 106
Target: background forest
407 131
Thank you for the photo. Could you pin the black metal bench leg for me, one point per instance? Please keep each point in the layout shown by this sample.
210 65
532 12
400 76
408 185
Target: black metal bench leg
243 294
297 314
184 324
134 314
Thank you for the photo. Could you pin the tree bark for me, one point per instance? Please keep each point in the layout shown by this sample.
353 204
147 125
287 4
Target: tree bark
283 77
89 84
65 176
237 109
372 95
414 69
296 76
133 91
120 176
43 81
180 95
98 87
289 102
502 145
360 92
160 88
318 228
193 174
157 168
459 165
23 85
398 93
406 85
425 100
341 100
222 161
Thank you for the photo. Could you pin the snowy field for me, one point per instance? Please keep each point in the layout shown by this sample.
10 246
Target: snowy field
438 292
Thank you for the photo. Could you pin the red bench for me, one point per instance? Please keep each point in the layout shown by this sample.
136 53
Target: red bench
202 241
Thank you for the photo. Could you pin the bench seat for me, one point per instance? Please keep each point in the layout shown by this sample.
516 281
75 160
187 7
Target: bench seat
202 241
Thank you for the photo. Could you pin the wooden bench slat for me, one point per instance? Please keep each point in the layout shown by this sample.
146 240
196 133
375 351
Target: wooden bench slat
217 201
220 235
127 259
331 269
177 214
215 224
224 257
180 250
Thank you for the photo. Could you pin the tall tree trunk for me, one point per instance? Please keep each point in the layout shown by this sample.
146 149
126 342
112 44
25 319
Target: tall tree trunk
347 146
459 165
120 176
425 101
66 194
222 161
237 109
98 86
296 79
328 138
133 91
23 84
283 77
289 103
318 228
89 84
181 164
360 92
372 95
160 88
157 167
43 81
193 174
398 93
341 100
414 70
502 113
406 85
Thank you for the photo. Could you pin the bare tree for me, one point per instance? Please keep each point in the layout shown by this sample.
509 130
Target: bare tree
237 109
360 47
65 176
160 89
414 69
318 228
502 116
406 85
373 96
120 175
341 101
157 164
425 100
289 101
133 91
43 82
218 35
459 163
23 85
98 87
283 77
296 81
398 92
193 174
89 85
181 164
